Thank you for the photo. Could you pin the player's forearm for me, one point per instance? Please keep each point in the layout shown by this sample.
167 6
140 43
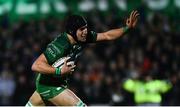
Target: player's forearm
115 33
43 68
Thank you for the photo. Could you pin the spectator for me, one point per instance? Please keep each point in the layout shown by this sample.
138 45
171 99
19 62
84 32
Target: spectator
147 91
7 87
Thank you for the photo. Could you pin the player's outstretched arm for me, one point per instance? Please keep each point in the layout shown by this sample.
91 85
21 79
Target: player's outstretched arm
41 65
116 33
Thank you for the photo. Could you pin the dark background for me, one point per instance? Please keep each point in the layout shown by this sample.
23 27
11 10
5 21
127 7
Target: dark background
151 48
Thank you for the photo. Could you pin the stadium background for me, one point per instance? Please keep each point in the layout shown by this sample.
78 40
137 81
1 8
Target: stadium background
27 26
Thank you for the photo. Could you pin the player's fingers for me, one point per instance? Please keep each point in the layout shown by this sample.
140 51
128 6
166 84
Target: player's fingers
136 18
131 13
132 16
71 63
72 67
135 14
65 61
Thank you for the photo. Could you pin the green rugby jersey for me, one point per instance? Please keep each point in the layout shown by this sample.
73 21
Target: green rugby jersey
61 47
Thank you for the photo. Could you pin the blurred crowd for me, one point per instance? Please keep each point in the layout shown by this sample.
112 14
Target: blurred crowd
152 48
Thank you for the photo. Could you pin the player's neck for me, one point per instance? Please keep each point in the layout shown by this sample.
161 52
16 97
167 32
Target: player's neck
71 39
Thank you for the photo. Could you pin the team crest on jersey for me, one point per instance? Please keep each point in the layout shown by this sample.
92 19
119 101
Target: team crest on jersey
53 50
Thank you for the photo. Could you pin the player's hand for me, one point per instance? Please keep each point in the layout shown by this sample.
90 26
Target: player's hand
132 20
67 67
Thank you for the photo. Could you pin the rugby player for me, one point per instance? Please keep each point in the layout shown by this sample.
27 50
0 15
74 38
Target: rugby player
51 82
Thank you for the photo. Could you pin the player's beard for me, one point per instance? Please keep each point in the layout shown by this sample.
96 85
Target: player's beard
84 38
82 42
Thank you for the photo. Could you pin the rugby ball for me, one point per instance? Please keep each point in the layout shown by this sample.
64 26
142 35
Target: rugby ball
60 62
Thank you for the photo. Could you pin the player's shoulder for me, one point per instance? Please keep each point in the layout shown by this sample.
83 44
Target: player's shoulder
61 40
62 37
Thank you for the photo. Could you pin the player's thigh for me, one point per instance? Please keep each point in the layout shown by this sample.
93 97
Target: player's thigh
65 98
36 99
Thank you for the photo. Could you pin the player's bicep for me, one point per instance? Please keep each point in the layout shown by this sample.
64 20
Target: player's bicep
41 60
101 37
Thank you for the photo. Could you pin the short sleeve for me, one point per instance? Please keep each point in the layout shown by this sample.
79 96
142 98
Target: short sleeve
52 53
91 37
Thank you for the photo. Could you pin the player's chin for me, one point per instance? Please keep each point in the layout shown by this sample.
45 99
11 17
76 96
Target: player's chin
83 40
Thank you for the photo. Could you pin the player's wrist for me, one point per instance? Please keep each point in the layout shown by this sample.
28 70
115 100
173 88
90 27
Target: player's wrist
58 71
126 29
